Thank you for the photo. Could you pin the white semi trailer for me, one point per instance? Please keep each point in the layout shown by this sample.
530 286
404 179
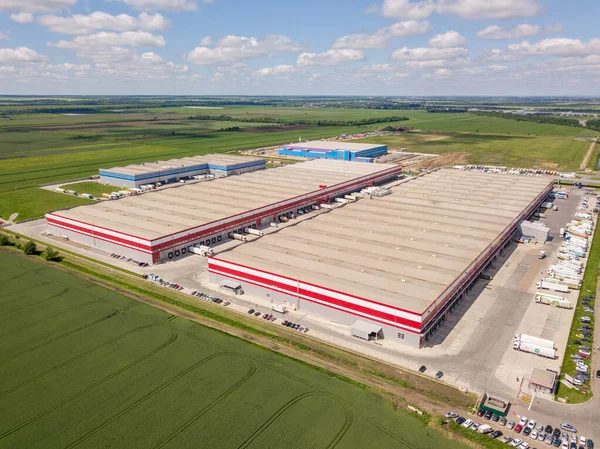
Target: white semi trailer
534 345
552 300
555 287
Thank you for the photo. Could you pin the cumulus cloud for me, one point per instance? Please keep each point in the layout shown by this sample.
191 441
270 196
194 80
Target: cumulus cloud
166 5
406 10
495 32
466 9
278 70
110 39
547 47
448 39
490 9
22 17
442 73
429 54
232 49
35 6
84 24
381 37
19 54
330 58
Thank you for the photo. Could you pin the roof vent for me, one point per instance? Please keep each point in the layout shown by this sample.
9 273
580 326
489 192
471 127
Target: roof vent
397 247
419 267
411 238
381 258
433 255
402 280
362 271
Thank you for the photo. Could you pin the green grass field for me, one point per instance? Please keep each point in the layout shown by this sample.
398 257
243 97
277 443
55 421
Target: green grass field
45 148
550 152
33 202
83 366
94 188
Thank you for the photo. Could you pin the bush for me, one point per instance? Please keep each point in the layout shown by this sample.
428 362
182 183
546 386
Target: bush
30 248
4 240
51 255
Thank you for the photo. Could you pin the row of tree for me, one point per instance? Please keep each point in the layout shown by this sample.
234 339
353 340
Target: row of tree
593 124
551 119
30 248
306 122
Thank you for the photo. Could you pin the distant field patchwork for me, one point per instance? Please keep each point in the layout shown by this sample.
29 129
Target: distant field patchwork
84 367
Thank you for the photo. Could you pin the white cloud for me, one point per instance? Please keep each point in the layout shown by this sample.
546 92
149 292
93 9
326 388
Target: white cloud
232 49
109 39
447 40
442 73
409 28
20 54
278 70
362 41
498 68
495 32
381 37
330 58
547 47
167 5
42 6
433 63
407 10
84 24
428 54
490 9
467 9
206 41
3 36
22 17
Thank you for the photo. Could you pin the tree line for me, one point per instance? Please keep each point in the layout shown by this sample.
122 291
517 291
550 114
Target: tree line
306 122
553 120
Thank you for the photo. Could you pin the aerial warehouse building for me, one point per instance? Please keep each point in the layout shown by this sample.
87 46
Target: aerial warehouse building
399 262
174 170
163 225
339 150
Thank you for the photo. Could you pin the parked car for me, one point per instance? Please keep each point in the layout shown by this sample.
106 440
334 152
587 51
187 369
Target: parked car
439 375
527 431
524 445
503 421
518 428
548 429
534 434
250 312
488 415
460 420
468 423
506 439
510 425
480 412
422 369
451 415
590 444
568 427
541 436
475 426
516 442
496 434
495 417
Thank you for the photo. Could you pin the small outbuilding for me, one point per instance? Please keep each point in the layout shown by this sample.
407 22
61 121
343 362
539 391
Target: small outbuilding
534 229
543 381
366 331
233 286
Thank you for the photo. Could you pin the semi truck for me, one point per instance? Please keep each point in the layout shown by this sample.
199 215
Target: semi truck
552 300
545 285
534 345
202 250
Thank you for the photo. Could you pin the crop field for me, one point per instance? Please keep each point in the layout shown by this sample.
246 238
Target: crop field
53 147
514 151
83 366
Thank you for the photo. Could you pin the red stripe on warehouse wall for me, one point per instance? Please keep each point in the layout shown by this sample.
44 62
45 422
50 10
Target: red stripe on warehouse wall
318 297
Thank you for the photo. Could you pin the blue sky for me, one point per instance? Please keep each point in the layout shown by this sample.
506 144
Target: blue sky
327 47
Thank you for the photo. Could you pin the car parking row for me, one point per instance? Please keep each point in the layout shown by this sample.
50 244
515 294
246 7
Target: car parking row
562 436
128 259
210 298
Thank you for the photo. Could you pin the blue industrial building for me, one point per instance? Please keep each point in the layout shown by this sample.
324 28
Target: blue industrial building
339 150
177 169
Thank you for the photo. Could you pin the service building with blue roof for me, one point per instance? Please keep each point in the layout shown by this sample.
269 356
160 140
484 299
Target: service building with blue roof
174 170
333 149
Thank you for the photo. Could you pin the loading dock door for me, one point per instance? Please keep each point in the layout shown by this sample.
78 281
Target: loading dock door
366 331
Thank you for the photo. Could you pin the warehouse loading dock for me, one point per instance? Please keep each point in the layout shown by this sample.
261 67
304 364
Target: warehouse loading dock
402 261
165 225
366 331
